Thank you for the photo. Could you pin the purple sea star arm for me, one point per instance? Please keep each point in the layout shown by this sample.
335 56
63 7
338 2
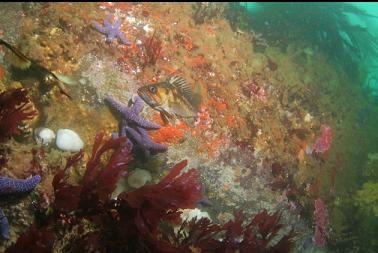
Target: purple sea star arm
4 225
147 153
149 143
10 185
130 116
99 27
119 107
107 21
110 37
135 127
115 135
137 137
112 31
157 147
117 24
123 39
141 143
139 121
123 128
138 104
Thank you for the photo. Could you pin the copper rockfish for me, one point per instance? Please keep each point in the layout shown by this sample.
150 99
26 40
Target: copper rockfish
173 98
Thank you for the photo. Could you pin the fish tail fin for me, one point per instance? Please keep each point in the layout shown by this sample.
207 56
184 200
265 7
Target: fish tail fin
190 121
196 101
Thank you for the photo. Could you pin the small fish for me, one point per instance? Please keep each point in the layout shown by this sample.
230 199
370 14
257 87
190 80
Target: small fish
173 98
19 60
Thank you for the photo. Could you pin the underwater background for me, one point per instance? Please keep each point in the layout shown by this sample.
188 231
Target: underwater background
188 127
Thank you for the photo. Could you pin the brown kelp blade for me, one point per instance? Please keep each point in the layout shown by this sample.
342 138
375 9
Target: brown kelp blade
18 59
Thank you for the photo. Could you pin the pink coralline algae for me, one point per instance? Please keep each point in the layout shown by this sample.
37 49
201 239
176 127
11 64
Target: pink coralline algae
251 89
323 143
321 223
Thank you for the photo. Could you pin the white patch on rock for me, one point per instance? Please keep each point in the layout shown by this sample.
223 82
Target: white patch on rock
188 214
68 140
147 28
44 135
308 117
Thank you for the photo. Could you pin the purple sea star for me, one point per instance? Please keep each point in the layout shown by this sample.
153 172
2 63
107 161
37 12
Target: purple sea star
135 127
111 30
13 186
4 225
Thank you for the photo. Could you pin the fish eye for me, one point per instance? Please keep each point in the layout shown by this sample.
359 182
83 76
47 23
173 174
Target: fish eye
153 89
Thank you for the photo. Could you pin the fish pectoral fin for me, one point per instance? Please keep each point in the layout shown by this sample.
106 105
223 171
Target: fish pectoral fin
167 117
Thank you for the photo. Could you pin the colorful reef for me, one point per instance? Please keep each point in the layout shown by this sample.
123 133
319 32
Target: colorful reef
185 127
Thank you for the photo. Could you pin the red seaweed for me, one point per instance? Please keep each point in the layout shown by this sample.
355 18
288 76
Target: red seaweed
89 243
98 182
36 239
151 202
324 141
67 196
3 155
14 108
142 220
151 50
321 223
257 236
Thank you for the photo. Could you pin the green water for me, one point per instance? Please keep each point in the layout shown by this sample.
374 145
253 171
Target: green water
349 36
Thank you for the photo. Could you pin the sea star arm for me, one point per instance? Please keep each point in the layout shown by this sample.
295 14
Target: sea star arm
110 36
137 137
123 39
130 116
117 24
119 107
140 122
138 104
123 128
157 147
11 185
99 27
140 141
115 135
107 21
149 143
4 225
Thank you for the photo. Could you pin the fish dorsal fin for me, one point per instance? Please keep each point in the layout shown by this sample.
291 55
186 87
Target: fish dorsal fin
186 91
182 86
